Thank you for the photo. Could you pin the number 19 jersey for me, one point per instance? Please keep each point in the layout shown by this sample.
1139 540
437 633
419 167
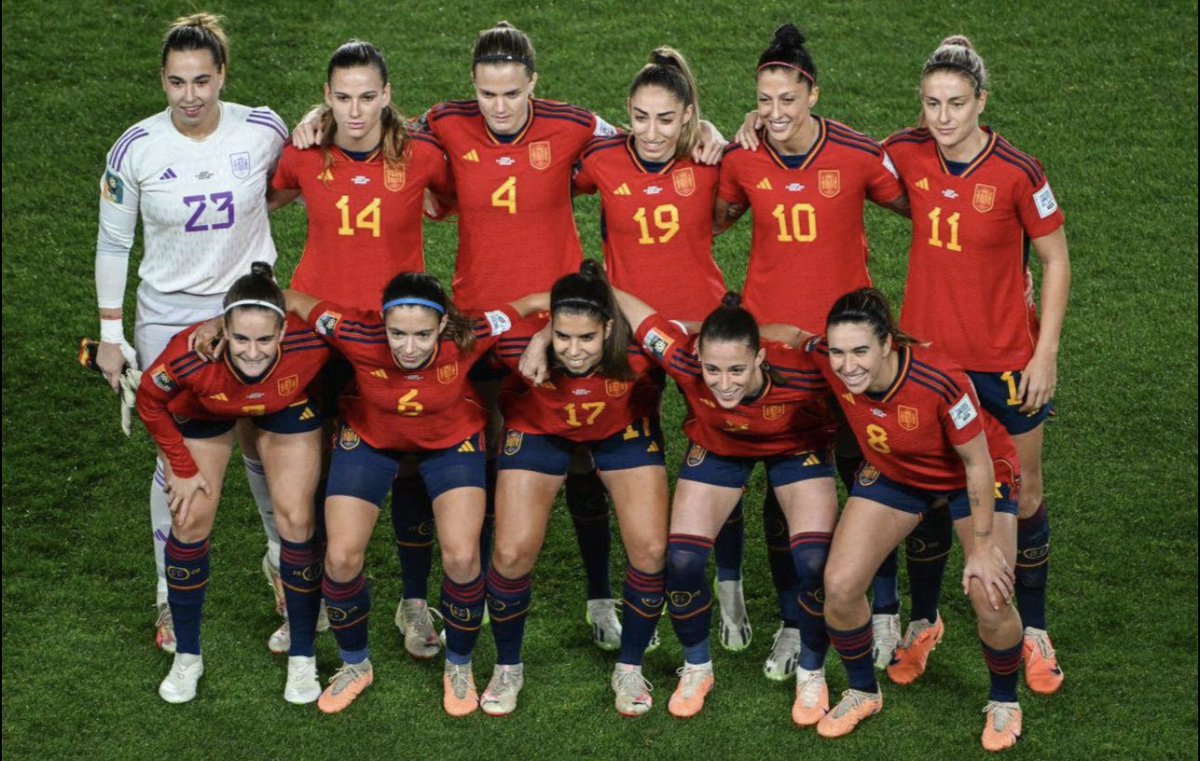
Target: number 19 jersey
516 224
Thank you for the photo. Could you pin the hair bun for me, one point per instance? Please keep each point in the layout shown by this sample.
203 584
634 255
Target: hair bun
262 269
958 39
789 35
732 300
591 269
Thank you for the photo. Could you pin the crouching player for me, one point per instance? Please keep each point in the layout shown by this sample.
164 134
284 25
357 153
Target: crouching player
747 402
414 401
926 442
190 407
596 395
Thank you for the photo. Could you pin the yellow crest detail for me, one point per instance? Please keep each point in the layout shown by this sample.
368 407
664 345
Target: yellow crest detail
447 373
908 418
685 181
615 388
512 442
868 474
348 439
773 411
829 182
393 177
539 154
288 386
984 198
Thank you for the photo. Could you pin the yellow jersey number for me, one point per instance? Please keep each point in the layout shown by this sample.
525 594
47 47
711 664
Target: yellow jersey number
505 196
798 224
591 409
408 405
935 231
666 222
367 219
877 439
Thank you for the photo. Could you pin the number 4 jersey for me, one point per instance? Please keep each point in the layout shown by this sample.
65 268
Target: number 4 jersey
364 217
203 202
968 288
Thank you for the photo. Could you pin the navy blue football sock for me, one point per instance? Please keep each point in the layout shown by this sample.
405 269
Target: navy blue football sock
413 526
927 549
462 608
508 604
689 600
779 558
587 502
187 580
644 595
885 587
810 550
349 606
855 647
300 568
1033 563
730 546
1003 667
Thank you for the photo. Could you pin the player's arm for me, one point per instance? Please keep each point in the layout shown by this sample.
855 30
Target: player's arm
984 561
747 134
114 240
711 145
635 310
1040 377
899 205
154 393
725 214
300 304
277 198
788 334
307 132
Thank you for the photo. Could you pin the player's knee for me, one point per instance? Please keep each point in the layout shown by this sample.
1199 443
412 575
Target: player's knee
343 563
462 562
512 560
294 520
648 555
990 620
843 588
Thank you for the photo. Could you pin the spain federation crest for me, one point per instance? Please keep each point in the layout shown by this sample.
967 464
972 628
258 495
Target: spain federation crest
348 439
907 417
447 373
239 163
695 455
685 181
539 154
773 411
512 442
287 386
615 388
829 182
984 198
867 474
393 177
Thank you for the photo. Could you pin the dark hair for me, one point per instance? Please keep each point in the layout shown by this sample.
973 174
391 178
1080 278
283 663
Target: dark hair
419 285
588 293
501 44
668 69
787 51
868 306
393 141
259 285
731 323
957 54
199 31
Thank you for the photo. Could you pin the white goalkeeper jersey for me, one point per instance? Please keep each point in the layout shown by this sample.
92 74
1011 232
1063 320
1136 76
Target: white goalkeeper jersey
203 202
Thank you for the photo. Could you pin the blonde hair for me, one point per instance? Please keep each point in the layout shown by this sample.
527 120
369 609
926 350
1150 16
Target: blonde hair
957 54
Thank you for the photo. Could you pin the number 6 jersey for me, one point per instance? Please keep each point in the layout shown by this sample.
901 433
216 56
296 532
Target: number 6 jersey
203 202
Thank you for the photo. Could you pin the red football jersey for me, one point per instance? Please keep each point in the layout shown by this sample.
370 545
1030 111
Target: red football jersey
969 290
656 226
577 408
183 384
426 409
789 416
809 246
909 431
516 225
364 220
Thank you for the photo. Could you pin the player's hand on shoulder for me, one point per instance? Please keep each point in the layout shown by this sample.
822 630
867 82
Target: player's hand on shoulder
747 134
208 340
308 132
711 145
533 364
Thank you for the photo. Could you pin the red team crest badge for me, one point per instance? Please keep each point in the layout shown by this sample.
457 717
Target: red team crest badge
615 388
512 442
685 181
773 411
393 177
695 455
287 386
539 154
984 198
829 182
907 417
447 373
867 474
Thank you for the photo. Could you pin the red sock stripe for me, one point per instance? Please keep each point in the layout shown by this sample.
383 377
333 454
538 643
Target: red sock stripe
702 542
810 537
505 584
645 582
465 593
338 590
854 644
186 553
298 557
1003 662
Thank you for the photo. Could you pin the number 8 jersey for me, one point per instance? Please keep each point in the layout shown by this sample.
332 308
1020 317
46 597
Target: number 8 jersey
203 202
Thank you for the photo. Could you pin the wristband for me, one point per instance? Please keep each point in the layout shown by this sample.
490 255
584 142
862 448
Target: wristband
112 331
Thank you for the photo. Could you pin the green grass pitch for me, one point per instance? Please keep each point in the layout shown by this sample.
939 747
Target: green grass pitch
1104 93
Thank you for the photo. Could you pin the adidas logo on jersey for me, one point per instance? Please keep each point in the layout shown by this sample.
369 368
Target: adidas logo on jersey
471 155
923 183
467 447
653 447
622 191
219 397
380 373
325 176
308 414
811 460
764 185
168 175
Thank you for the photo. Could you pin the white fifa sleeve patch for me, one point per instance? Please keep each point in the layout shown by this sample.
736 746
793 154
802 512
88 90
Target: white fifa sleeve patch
498 321
888 165
963 412
1044 200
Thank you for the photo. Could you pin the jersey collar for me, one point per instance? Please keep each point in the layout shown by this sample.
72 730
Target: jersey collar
822 133
974 163
637 161
520 135
905 354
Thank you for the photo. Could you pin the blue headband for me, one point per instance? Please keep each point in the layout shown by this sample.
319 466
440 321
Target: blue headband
408 301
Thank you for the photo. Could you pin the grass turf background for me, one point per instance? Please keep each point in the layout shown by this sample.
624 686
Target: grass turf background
1103 93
